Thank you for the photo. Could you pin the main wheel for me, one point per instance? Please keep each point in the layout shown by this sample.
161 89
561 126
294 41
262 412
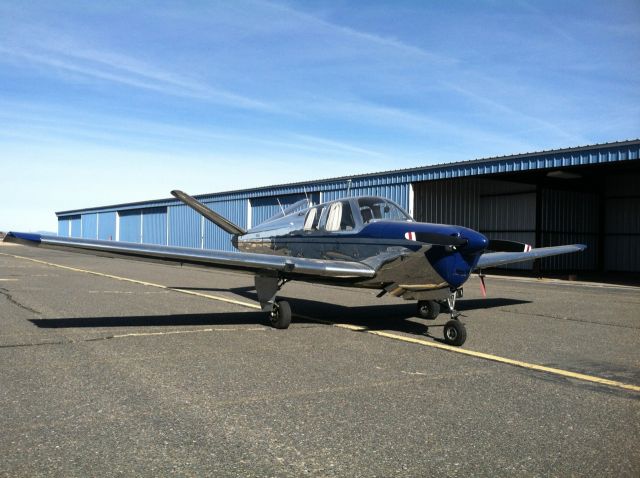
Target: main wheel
281 315
455 333
428 309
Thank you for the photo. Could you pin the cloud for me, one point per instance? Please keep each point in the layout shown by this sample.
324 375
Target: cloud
131 72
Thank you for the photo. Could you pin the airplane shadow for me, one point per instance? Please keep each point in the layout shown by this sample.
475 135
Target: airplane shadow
398 317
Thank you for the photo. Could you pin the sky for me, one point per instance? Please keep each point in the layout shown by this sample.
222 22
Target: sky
110 102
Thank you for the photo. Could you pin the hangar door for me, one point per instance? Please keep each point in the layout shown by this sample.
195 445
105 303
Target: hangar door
622 223
107 226
540 215
154 225
70 226
129 225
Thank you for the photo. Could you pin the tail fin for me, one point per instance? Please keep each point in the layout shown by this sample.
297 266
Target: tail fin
213 216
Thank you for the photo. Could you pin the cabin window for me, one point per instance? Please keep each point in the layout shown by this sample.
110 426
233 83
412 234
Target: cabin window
313 219
340 217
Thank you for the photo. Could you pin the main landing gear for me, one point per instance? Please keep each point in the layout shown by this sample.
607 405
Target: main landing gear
280 315
279 311
455 332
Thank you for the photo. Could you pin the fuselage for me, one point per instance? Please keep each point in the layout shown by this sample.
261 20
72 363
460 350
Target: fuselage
450 252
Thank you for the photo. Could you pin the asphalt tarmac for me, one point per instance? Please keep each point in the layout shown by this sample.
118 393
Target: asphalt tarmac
101 376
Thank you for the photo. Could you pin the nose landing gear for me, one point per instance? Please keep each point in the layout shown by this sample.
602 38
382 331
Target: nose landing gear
455 332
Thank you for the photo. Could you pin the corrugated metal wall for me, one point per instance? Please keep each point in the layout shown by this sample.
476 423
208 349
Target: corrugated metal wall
154 225
622 230
76 226
498 209
448 202
130 225
398 193
508 211
185 226
90 226
107 226
63 226
265 207
236 212
570 217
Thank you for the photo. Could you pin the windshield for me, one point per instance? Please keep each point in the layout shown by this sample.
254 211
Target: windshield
378 208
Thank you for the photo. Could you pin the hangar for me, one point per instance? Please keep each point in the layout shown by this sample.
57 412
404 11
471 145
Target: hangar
588 194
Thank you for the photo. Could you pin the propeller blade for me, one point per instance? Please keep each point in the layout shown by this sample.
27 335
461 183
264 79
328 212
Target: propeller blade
500 245
483 286
440 239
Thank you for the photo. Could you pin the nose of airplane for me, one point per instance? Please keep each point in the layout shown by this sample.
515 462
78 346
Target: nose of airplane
475 241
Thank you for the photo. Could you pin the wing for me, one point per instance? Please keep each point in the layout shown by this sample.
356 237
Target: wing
241 261
492 259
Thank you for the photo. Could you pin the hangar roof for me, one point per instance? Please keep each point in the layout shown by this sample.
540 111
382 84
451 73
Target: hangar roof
557 158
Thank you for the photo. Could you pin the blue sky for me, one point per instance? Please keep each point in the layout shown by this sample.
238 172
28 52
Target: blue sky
109 102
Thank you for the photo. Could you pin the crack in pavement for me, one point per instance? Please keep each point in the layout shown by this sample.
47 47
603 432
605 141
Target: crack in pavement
569 319
15 302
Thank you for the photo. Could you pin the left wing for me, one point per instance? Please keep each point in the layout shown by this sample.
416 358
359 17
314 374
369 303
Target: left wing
241 261
492 259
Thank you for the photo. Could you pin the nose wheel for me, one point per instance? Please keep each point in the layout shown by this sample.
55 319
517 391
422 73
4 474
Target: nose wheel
455 333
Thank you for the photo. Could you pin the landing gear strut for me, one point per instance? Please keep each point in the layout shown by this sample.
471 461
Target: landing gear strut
279 312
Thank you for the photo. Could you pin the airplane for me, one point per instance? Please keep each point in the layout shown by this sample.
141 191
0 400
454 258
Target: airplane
366 242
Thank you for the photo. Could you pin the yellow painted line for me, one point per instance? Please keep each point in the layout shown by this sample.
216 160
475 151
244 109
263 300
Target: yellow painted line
515 363
357 328
134 281
482 355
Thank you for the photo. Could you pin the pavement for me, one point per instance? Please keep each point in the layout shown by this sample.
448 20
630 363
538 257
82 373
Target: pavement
118 368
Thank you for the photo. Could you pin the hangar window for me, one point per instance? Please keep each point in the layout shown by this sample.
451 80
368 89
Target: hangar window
373 208
340 217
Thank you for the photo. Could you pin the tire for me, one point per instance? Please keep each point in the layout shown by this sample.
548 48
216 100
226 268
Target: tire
281 315
428 309
455 333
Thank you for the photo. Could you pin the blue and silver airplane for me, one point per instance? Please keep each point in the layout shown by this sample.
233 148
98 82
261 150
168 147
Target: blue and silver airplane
367 242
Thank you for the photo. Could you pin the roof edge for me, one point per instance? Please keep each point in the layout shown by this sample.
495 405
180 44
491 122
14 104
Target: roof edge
170 200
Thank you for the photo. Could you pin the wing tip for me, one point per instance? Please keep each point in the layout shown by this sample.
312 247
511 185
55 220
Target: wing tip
22 237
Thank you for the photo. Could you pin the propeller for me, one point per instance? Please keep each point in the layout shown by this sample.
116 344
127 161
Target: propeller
440 239
501 245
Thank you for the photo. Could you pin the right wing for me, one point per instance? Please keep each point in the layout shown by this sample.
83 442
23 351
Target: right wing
492 259
241 261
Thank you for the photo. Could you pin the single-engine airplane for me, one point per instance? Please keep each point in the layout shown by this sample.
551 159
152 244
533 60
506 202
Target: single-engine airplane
367 242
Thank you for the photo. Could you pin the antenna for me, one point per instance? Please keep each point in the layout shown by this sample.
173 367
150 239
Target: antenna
304 189
281 208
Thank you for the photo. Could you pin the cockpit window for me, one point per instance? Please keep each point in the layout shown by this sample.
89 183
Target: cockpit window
378 208
340 217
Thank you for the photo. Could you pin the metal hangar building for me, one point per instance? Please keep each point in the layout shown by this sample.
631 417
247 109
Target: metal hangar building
588 195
